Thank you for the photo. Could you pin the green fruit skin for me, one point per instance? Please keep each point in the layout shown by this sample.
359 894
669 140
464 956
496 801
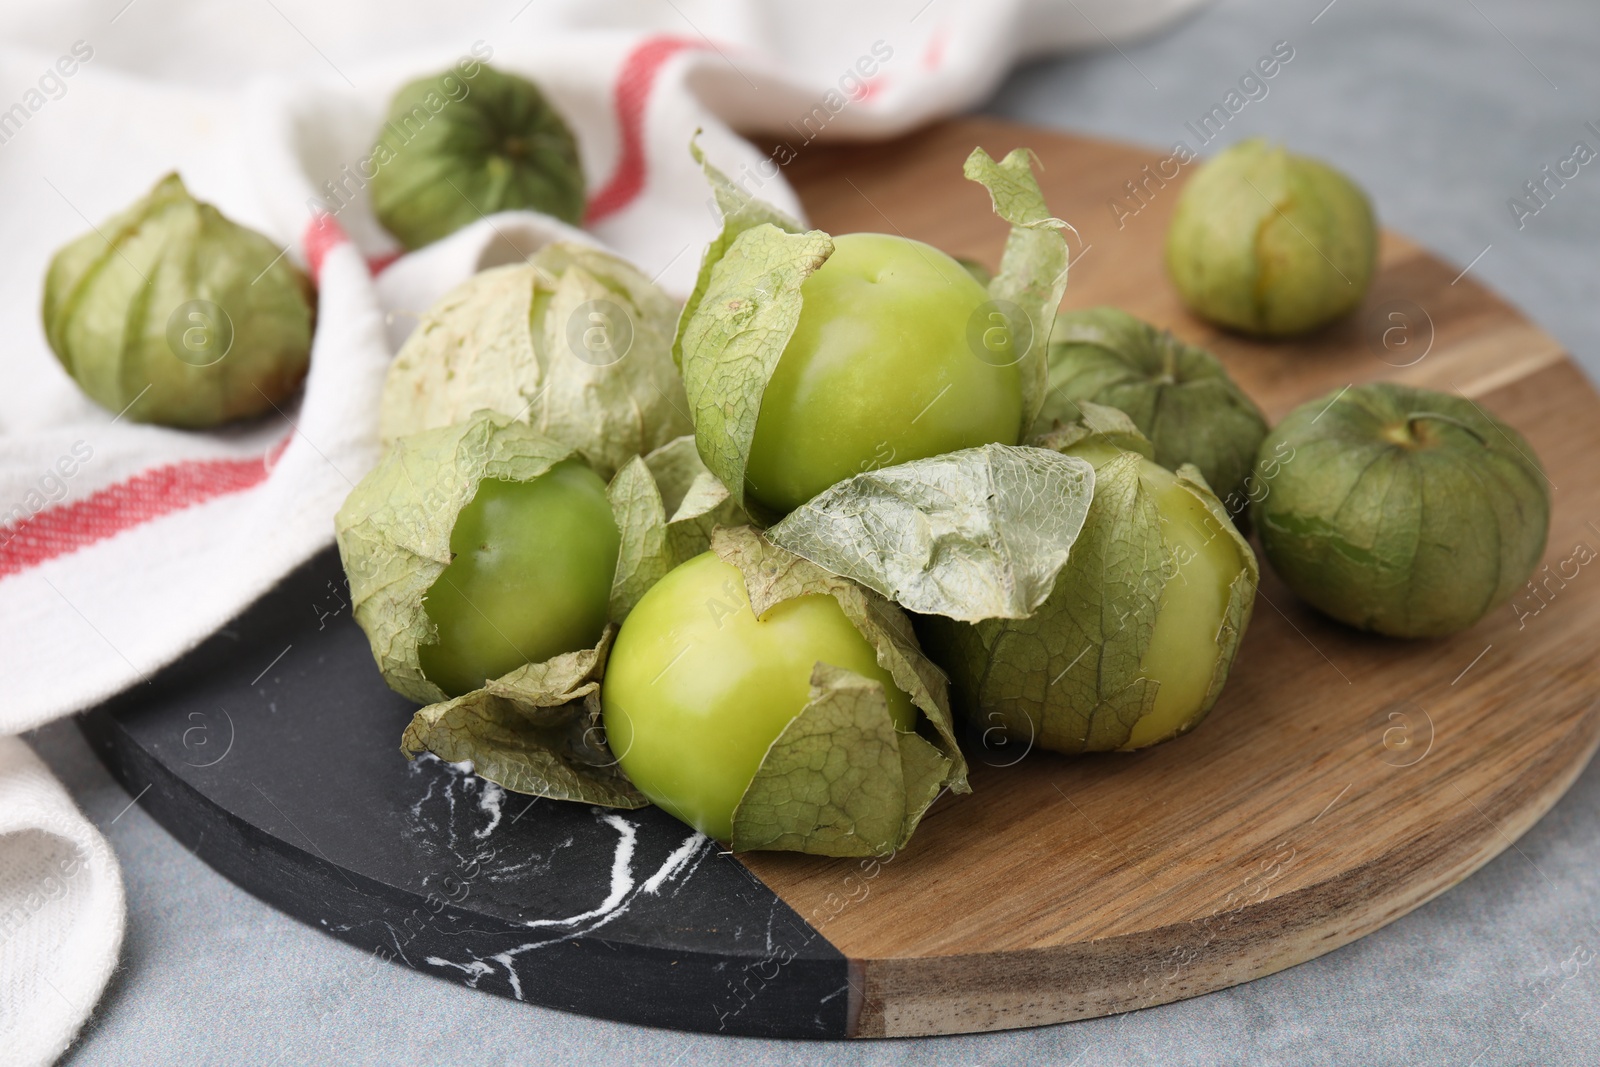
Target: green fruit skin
879 371
1402 511
529 578
1049 680
697 688
1271 244
443 163
1178 395
108 299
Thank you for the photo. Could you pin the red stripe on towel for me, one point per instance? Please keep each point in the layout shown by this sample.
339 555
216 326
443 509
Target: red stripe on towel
65 528
634 83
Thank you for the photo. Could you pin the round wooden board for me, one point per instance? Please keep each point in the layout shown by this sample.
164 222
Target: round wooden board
1341 781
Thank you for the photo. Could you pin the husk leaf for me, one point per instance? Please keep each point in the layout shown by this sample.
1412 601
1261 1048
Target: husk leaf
515 339
666 505
1033 268
535 730
840 780
734 338
975 534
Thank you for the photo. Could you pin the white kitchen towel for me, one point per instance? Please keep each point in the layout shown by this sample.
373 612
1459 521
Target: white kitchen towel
60 911
122 546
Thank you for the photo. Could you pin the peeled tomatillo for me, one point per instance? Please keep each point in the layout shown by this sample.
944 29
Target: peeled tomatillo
530 577
697 688
880 371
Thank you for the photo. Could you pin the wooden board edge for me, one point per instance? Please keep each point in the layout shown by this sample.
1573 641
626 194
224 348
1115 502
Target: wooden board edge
1036 987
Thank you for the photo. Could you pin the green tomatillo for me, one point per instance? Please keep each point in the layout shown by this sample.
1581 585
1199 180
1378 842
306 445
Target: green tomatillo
808 359
171 313
769 704
1136 639
698 688
1270 243
475 548
1403 511
879 371
489 567
455 148
530 577
1179 396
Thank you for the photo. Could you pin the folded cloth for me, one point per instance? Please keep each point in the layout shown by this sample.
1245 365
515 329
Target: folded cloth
121 545
60 910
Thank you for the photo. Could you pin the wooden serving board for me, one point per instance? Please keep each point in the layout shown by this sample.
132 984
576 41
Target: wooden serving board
1341 781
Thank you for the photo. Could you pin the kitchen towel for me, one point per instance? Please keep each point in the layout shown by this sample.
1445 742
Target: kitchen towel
121 545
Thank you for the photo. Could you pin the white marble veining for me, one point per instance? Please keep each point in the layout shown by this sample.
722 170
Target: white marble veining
624 890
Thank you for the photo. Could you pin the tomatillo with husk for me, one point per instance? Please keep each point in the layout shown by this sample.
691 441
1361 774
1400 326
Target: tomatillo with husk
1139 632
172 313
489 568
575 341
772 705
698 688
1177 394
1270 243
878 371
809 359
474 548
529 578
455 148
1399 510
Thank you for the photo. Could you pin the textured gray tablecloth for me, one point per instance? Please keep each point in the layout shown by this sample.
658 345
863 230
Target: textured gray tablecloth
1442 109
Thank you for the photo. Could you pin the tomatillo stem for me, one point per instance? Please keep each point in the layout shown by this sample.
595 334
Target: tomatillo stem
1414 417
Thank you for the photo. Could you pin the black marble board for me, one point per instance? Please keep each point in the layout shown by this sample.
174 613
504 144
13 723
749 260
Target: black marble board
272 751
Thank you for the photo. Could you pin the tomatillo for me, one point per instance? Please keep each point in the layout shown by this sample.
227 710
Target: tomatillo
1178 395
1138 635
1190 587
172 313
879 370
530 577
458 146
1403 511
697 687
1270 243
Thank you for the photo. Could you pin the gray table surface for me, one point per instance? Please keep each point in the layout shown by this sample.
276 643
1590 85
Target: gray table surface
1442 109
